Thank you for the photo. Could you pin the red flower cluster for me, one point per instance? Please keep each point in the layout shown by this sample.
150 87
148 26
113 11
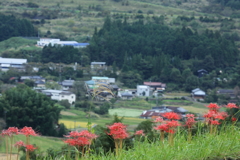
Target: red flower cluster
28 131
10 131
169 126
234 119
213 106
231 105
118 131
19 144
78 139
158 120
190 120
171 116
30 147
140 133
213 116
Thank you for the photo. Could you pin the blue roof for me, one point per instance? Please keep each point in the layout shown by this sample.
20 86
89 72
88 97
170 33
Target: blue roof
76 44
90 82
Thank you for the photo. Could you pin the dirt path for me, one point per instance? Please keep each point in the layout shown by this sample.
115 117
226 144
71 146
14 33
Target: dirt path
4 156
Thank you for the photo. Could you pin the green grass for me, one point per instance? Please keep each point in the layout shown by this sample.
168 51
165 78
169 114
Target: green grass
80 116
43 143
125 112
202 147
16 43
136 103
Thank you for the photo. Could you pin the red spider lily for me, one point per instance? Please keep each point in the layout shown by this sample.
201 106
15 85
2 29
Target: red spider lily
231 105
118 131
172 124
5 133
158 119
73 134
10 131
214 122
190 122
13 130
221 115
84 133
30 148
234 119
190 115
79 141
19 144
87 134
215 115
171 115
162 127
28 131
213 106
140 133
210 114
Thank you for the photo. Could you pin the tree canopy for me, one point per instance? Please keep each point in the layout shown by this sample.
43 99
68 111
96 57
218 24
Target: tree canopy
22 106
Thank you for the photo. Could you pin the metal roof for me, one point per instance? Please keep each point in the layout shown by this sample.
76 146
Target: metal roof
98 63
76 44
12 61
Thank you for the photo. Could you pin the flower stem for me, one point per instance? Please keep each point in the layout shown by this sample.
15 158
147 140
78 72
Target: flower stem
11 141
170 139
189 134
162 136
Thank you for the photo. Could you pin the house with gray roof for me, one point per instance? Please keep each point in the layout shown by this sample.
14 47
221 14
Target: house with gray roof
198 94
67 84
98 65
17 63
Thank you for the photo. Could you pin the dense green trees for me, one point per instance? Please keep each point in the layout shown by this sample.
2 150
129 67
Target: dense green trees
21 106
154 51
10 26
58 54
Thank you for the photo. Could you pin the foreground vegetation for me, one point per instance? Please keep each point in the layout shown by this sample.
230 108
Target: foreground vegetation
167 137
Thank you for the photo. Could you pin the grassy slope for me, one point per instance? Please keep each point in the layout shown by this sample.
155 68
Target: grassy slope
77 24
18 43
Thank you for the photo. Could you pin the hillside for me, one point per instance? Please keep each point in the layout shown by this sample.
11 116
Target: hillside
76 20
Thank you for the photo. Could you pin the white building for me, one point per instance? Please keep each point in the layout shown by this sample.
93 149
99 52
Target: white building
47 41
61 95
16 63
143 90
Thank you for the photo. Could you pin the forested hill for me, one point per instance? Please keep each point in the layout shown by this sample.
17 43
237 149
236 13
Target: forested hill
151 49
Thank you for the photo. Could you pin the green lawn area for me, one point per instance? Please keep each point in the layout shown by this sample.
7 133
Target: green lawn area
126 112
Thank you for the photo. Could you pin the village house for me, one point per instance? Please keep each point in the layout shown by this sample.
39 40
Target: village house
16 63
59 95
198 94
158 111
156 85
227 92
98 65
143 90
67 84
33 78
125 95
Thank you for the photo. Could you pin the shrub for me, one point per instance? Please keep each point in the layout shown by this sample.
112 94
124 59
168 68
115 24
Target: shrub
65 103
32 5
